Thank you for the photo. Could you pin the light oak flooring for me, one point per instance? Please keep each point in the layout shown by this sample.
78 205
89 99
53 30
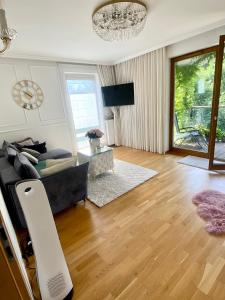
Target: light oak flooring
149 243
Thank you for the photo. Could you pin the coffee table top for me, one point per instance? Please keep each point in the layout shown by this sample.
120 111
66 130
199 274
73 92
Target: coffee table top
89 153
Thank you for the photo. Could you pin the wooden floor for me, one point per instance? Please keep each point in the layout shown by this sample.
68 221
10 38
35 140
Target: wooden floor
149 243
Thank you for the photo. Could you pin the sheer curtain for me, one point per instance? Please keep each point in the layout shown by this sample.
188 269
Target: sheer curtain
142 124
107 77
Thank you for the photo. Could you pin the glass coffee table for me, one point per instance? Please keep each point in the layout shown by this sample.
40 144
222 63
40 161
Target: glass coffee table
100 161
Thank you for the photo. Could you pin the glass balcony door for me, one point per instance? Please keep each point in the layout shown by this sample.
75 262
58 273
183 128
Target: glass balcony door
192 83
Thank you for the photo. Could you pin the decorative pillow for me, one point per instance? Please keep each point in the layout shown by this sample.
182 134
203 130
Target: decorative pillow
32 152
53 162
38 147
10 154
57 168
31 158
26 142
24 168
7 144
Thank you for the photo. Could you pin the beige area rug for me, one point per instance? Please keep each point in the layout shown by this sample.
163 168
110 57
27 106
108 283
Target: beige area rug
110 185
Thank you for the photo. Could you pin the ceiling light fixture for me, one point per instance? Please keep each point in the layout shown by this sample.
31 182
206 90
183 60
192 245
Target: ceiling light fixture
119 20
6 34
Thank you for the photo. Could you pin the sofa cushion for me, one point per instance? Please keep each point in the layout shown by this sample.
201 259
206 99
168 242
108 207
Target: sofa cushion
4 163
10 154
54 154
24 168
2 153
57 168
41 165
52 162
38 147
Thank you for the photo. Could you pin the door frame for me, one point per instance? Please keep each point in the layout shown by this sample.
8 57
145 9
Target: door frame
172 94
215 107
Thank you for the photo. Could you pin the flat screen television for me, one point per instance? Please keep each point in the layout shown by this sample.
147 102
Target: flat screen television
118 95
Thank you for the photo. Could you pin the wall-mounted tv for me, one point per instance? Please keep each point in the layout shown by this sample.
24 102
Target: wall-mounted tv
118 95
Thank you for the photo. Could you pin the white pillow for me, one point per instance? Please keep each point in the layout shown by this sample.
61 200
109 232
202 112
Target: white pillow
57 168
53 162
30 157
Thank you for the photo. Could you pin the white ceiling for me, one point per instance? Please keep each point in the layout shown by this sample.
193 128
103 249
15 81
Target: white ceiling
62 30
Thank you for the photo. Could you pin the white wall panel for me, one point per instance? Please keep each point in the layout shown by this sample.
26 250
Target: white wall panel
10 114
48 124
47 78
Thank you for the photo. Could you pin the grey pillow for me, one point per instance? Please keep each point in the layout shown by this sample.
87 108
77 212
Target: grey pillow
24 168
25 142
10 154
7 144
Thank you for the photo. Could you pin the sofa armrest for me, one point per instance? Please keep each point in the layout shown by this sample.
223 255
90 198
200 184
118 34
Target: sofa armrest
9 176
66 187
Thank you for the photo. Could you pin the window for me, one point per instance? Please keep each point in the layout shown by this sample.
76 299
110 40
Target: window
85 104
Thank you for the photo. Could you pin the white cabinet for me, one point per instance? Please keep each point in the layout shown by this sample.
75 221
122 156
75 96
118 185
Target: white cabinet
109 132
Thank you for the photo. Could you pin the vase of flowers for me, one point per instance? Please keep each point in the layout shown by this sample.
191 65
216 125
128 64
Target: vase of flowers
94 136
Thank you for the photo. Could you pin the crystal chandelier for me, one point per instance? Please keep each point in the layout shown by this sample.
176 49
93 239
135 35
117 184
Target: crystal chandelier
119 20
6 34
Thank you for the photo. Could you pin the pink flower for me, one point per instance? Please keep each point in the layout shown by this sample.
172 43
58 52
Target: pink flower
94 133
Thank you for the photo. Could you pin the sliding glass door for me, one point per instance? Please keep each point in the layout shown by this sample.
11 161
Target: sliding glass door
85 105
217 151
192 82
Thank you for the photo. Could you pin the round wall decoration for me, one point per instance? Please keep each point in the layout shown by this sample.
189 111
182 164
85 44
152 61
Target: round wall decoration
28 94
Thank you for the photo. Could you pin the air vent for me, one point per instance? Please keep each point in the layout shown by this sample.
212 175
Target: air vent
56 285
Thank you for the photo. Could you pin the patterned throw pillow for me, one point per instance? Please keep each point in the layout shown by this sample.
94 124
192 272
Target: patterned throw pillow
31 158
32 152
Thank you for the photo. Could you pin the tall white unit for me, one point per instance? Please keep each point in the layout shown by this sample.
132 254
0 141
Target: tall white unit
109 132
52 271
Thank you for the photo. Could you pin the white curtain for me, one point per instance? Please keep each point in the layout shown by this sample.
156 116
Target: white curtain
142 124
107 77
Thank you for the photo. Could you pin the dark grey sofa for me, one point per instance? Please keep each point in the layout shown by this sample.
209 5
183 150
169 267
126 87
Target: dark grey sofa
64 188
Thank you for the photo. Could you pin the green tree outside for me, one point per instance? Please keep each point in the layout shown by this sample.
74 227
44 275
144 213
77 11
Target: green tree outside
194 82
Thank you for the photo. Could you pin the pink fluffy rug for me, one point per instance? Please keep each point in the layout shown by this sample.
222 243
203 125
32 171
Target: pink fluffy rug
211 207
